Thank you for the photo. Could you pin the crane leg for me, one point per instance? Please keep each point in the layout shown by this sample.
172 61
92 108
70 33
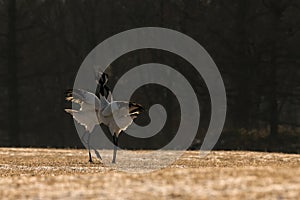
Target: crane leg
89 147
115 140
82 137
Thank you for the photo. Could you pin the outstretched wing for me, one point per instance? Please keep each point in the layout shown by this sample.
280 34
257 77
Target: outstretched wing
87 118
122 108
87 100
115 106
89 104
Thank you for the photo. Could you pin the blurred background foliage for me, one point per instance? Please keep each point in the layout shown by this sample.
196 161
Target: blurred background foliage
255 44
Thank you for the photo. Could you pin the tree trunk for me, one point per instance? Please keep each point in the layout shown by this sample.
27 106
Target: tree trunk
273 118
276 10
13 108
244 78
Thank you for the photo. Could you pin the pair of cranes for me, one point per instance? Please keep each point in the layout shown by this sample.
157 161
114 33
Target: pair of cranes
116 115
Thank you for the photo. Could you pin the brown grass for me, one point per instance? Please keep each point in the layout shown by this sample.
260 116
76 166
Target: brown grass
66 174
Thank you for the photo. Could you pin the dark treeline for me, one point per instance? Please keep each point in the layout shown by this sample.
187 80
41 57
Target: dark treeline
255 44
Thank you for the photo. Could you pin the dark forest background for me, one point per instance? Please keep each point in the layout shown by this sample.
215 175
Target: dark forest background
255 44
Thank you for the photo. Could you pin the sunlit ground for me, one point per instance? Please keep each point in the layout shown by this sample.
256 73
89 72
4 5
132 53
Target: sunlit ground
63 174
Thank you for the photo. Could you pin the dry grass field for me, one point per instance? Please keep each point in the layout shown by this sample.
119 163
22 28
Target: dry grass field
66 174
